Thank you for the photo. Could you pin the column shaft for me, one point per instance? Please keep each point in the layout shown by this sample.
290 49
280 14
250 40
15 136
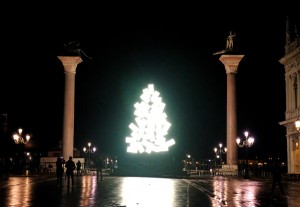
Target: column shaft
70 63
231 120
68 130
231 63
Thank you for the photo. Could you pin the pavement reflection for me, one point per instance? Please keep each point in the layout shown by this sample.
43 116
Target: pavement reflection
147 191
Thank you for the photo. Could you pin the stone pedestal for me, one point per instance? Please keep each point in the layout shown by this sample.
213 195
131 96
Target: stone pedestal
231 62
70 63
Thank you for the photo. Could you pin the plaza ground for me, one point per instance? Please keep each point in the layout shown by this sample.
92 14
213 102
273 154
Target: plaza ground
117 191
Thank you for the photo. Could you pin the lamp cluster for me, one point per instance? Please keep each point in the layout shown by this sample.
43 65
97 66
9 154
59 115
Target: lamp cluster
19 139
89 149
219 151
248 142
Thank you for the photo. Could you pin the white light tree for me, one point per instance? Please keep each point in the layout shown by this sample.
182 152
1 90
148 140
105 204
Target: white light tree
151 125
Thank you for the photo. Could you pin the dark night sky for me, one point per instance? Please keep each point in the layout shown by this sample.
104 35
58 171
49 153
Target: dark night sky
170 47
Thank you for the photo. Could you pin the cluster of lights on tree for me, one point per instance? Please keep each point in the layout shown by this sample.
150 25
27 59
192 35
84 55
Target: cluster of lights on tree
151 124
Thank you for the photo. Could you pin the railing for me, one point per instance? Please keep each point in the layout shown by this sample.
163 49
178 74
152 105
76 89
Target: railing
93 171
198 172
293 176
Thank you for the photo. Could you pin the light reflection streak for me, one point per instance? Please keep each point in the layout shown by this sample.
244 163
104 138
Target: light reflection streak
88 190
248 192
220 190
18 191
147 192
242 194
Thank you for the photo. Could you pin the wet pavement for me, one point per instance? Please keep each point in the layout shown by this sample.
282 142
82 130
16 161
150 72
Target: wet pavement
117 191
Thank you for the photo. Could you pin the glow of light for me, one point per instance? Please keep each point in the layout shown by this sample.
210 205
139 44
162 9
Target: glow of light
220 190
246 195
151 125
147 192
17 191
88 190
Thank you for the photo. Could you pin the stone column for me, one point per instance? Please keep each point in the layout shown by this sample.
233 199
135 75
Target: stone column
231 63
70 63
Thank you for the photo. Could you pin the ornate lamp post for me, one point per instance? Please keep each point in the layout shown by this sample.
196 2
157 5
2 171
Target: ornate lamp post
248 142
219 152
215 163
89 150
19 139
187 163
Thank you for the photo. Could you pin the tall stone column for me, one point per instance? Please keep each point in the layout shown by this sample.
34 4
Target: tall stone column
231 63
70 63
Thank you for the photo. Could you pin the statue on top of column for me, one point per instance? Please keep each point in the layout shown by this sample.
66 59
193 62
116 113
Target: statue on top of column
229 45
72 48
229 41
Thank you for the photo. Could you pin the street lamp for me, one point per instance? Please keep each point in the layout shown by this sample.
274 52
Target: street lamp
219 151
89 150
248 142
297 125
187 163
19 139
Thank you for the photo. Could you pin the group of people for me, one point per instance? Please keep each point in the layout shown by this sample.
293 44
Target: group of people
70 168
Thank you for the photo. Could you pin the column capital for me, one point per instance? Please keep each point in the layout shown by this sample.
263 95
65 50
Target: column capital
231 62
70 63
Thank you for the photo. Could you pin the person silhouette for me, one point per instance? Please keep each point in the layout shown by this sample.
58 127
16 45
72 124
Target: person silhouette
78 167
276 177
70 165
59 170
99 165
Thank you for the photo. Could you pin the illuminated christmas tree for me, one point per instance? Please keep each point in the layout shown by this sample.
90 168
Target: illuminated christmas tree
151 125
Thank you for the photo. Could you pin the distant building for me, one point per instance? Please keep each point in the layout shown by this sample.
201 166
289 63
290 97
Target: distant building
58 153
291 62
